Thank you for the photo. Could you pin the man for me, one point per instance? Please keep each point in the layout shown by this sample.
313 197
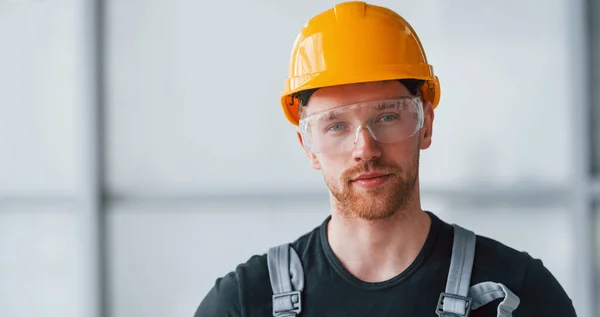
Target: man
363 95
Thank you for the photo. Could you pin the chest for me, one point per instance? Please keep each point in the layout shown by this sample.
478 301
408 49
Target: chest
343 299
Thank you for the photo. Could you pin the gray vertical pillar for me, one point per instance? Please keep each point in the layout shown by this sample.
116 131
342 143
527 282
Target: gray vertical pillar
594 47
594 38
579 37
90 172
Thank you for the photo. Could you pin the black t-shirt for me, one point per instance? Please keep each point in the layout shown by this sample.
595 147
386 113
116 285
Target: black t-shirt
330 290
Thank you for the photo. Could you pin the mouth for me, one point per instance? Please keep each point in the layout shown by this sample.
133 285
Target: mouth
370 180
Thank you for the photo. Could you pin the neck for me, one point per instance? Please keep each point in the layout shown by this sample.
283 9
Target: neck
377 250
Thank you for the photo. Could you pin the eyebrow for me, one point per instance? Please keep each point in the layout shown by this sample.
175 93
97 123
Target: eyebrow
386 105
327 118
331 116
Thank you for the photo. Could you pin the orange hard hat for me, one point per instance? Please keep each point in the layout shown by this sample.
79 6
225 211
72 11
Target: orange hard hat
355 42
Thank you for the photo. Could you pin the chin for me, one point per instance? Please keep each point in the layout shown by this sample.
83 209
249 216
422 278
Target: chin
374 214
375 204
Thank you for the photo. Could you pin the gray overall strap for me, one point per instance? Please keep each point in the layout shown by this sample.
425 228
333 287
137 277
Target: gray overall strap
454 302
287 280
486 292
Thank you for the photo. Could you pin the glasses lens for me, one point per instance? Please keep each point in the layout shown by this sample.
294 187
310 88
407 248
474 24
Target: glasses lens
335 131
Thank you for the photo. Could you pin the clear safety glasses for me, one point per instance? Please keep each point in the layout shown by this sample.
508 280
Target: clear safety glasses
335 131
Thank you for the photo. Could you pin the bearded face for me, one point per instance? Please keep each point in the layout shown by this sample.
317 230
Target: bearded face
368 178
373 190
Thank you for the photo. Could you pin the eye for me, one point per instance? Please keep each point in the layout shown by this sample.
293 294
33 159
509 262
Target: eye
335 127
389 117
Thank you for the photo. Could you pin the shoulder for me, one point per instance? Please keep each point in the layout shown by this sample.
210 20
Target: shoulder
508 262
539 291
222 299
229 294
248 287
542 294
493 260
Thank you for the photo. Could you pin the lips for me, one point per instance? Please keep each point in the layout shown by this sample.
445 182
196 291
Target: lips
369 176
368 181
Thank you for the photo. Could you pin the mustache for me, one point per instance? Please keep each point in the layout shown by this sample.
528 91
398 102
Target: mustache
368 167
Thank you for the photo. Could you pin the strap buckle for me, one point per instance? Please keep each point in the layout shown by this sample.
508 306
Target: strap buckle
281 305
440 305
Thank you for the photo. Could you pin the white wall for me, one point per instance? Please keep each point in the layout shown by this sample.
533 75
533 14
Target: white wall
192 97
42 79
40 56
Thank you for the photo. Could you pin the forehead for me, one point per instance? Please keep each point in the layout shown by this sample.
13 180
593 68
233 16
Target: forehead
338 96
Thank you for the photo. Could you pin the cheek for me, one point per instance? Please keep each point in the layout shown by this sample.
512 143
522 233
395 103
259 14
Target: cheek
331 168
401 154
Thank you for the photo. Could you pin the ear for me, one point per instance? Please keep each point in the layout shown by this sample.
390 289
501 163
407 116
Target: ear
311 156
427 130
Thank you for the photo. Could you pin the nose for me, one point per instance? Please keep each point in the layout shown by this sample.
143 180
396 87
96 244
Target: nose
366 148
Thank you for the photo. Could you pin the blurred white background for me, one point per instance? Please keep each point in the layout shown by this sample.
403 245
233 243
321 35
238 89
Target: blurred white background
144 153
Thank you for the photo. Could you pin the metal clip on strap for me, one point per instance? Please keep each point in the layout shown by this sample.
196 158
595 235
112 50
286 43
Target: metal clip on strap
287 304
440 305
